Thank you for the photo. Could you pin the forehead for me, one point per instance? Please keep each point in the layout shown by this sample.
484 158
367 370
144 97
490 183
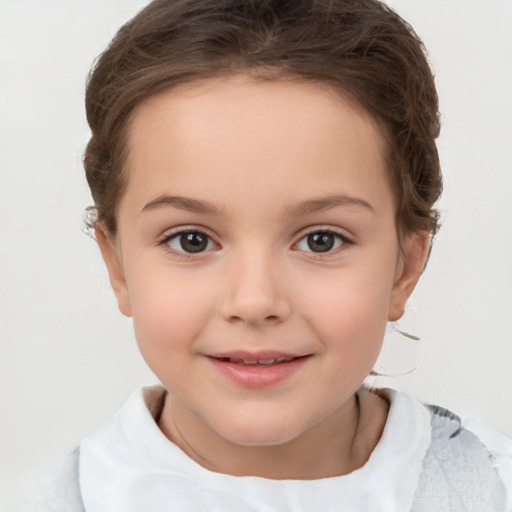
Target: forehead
237 136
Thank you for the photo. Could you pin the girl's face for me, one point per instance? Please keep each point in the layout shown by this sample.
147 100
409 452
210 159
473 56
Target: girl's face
257 253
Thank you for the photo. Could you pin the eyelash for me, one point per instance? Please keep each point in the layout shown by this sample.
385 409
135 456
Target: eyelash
177 233
342 240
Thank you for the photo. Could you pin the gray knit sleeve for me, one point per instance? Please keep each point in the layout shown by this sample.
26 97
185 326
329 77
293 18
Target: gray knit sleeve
459 472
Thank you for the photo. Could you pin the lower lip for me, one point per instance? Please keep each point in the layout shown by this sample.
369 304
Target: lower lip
255 376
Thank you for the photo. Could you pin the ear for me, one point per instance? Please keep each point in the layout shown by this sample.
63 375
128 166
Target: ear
112 259
415 251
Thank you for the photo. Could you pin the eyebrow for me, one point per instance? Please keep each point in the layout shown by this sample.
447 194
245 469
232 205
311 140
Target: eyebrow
304 207
325 203
182 203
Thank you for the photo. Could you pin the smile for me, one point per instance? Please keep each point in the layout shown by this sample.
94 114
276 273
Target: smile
257 370
259 362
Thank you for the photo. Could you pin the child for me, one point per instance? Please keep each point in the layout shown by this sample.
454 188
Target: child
264 176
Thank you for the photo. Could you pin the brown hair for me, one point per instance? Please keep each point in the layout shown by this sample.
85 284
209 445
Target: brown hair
360 47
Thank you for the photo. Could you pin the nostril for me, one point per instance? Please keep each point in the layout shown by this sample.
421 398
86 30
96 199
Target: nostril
254 309
266 319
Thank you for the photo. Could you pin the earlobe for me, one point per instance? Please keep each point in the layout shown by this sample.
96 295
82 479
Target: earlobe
115 268
412 262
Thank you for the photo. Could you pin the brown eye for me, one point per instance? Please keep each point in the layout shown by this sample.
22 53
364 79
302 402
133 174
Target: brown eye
320 242
190 242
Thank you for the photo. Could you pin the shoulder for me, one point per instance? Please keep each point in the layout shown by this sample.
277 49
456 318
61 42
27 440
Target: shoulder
468 465
499 448
65 484
52 488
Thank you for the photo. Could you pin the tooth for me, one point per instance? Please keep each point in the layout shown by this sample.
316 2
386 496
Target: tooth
236 360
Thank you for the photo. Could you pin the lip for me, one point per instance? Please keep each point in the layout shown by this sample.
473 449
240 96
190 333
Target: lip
250 373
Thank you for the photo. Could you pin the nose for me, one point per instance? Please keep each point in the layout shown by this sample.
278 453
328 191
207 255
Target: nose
255 291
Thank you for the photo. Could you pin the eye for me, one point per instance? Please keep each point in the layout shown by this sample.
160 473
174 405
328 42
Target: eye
189 242
321 242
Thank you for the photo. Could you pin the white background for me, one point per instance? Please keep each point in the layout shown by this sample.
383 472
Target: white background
68 358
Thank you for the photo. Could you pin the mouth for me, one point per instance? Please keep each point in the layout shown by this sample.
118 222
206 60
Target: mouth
257 362
257 370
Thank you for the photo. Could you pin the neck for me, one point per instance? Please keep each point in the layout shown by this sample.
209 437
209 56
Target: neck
336 446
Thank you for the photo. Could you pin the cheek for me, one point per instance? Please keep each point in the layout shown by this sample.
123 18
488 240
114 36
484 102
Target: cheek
167 317
351 329
349 309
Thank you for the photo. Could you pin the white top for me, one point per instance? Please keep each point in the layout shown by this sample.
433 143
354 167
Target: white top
128 465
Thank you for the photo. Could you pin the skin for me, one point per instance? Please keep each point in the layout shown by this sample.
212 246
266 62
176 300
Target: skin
262 155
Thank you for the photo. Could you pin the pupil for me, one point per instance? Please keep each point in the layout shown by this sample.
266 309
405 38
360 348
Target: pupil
321 242
193 242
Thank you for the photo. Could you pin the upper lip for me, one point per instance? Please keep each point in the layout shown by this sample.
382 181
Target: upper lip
264 356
